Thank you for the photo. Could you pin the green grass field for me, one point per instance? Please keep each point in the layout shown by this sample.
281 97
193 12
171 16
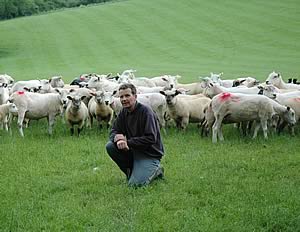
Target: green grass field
64 183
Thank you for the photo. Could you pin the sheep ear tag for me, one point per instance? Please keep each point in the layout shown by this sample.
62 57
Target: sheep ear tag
20 92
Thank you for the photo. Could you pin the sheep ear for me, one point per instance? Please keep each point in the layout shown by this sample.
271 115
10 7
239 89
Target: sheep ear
114 92
108 75
57 90
26 88
69 97
177 92
71 90
164 79
162 92
82 97
288 108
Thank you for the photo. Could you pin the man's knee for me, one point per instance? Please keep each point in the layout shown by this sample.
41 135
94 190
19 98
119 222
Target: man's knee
110 147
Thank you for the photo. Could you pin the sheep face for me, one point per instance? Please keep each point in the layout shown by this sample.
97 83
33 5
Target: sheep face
289 116
99 98
170 96
76 101
274 78
13 108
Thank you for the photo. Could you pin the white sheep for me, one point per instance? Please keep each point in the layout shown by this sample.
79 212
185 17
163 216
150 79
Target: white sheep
4 78
76 113
100 110
5 111
4 93
276 80
36 106
236 108
184 110
57 82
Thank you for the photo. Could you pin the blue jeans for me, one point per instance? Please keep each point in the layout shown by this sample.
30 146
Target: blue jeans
139 168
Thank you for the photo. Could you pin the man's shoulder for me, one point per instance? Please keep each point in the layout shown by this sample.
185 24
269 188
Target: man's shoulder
144 107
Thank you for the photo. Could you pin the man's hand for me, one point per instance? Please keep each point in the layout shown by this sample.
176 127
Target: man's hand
122 145
119 137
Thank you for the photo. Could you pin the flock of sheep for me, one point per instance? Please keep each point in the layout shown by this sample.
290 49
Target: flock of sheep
209 102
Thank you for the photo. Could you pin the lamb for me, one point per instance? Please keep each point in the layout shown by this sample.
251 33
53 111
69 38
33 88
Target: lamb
100 109
76 113
37 106
184 110
5 111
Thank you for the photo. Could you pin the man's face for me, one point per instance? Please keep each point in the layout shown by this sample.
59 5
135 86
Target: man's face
127 99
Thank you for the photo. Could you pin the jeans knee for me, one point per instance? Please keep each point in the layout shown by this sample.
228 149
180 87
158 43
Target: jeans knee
110 147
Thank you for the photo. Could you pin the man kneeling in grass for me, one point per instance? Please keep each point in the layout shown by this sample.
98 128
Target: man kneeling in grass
135 143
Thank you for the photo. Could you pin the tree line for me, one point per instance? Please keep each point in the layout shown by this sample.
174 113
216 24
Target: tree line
15 8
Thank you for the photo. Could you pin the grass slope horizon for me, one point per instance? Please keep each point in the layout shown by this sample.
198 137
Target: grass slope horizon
157 37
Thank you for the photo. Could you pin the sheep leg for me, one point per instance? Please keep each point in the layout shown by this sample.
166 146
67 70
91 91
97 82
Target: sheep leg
184 122
5 122
21 115
257 126
264 125
51 120
281 127
72 131
220 133
91 120
216 129
292 130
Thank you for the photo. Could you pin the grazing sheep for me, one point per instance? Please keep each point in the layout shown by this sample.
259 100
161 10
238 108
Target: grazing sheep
76 113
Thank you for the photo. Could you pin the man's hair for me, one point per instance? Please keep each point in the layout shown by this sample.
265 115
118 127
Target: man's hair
128 86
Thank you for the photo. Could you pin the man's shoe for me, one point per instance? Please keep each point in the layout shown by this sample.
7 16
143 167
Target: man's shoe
160 173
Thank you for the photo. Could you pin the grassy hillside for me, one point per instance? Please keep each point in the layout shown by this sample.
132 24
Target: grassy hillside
64 183
190 38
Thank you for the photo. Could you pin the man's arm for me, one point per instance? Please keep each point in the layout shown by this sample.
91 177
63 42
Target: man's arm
151 129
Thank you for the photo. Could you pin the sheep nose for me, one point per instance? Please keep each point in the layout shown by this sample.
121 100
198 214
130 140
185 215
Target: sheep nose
106 102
